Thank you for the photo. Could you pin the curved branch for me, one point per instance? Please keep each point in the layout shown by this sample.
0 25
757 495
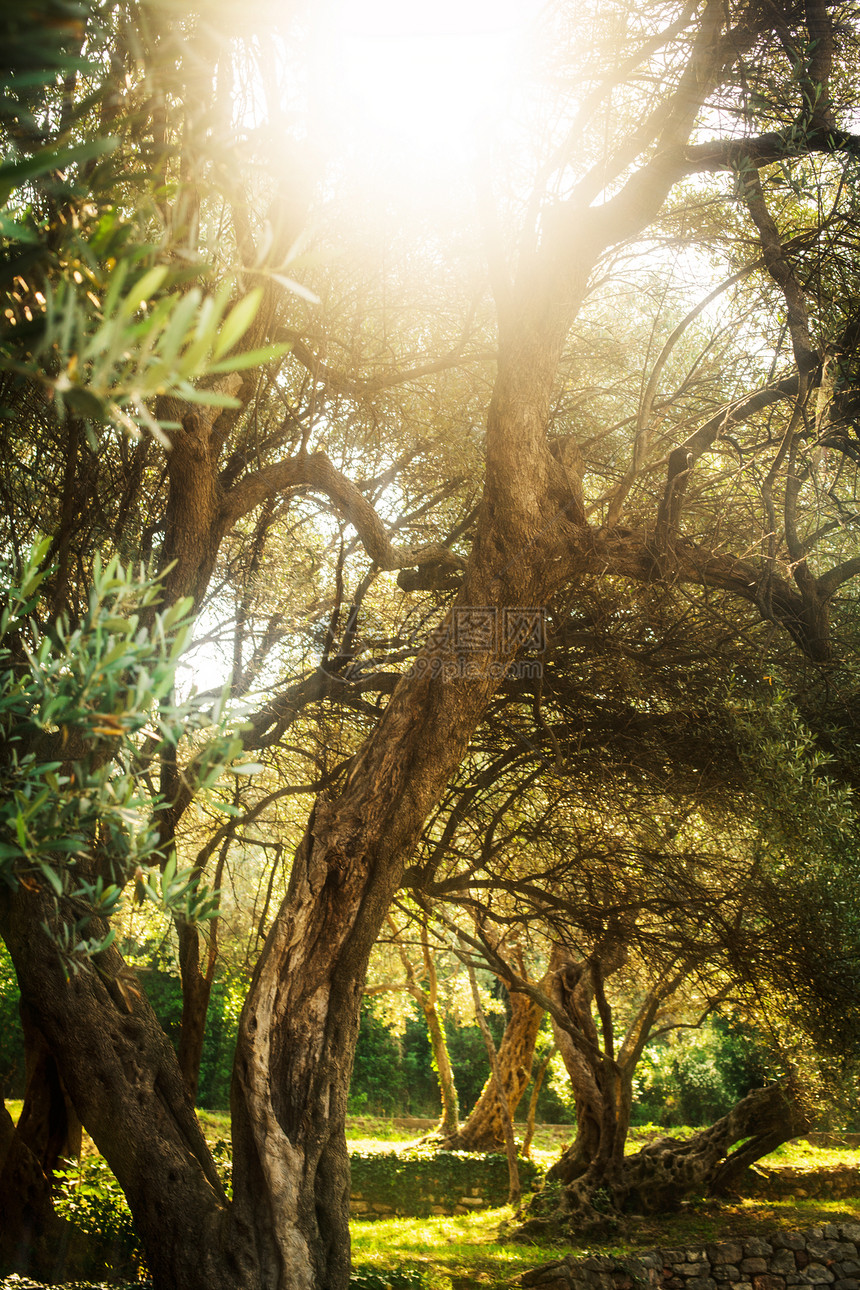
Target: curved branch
683 458
830 582
765 149
316 471
631 552
360 389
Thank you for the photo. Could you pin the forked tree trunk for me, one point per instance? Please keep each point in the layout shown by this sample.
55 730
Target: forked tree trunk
287 1228
660 1175
34 1240
48 1124
484 1130
600 1085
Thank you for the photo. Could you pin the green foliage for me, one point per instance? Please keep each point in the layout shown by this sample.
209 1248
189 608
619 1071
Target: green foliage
468 1055
806 955
83 708
698 1079
91 1198
164 991
98 314
144 340
403 1279
12 1058
392 1075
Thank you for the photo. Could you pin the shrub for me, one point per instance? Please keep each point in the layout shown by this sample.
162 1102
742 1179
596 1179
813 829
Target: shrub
89 1196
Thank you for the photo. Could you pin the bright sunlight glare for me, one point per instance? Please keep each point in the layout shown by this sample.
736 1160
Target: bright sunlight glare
417 79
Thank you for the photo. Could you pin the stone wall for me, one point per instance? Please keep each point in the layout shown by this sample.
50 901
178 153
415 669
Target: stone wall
420 1183
781 1182
827 1256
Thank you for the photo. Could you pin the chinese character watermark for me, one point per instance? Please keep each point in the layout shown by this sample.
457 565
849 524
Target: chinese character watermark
479 641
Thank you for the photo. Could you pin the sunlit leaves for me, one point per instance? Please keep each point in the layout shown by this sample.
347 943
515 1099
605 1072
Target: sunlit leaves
84 708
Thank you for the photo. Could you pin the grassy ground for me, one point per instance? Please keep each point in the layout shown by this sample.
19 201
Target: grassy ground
467 1253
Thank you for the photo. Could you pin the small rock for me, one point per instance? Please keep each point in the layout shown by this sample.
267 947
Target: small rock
817 1274
756 1248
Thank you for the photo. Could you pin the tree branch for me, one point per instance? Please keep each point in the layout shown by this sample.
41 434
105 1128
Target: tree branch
316 472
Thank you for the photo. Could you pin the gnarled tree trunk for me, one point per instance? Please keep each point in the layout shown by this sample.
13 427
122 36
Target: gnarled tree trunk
122 1076
665 1171
483 1130
601 1086
659 1175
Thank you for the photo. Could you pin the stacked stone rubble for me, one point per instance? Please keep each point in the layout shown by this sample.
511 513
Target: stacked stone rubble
821 1256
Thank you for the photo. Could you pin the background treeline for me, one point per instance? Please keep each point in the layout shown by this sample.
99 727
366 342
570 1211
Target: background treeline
691 1079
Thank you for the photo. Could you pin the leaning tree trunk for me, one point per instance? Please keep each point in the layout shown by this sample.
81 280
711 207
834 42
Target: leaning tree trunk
300 1022
299 1025
484 1129
287 1227
444 1071
659 1176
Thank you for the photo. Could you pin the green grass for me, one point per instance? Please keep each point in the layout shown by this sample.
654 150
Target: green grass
452 1253
801 1154
466 1253
367 1132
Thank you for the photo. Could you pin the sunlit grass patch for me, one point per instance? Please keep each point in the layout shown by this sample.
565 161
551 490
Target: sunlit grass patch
801 1154
367 1129
707 1219
215 1124
451 1251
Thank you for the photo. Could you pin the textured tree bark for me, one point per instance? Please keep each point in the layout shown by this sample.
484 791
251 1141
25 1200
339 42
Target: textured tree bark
661 1174
445 1075
483 1130
122 1075
299 1026
602 1100
196 990
657 1177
